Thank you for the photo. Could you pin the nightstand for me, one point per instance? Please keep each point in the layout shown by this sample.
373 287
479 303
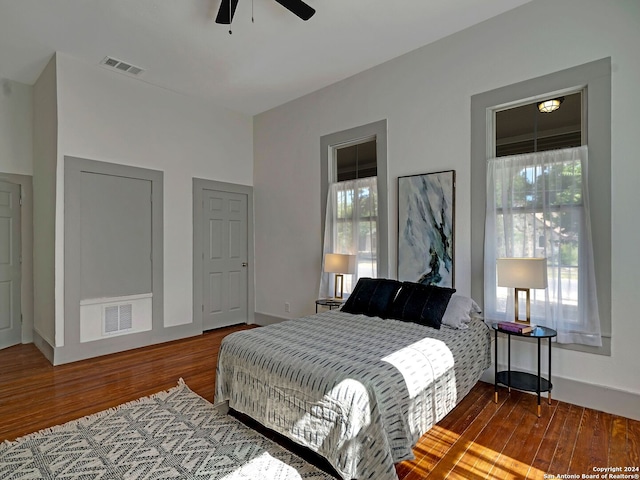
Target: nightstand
526 382
329 302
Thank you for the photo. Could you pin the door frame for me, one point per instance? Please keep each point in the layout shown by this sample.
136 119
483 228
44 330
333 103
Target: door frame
199 186
26 233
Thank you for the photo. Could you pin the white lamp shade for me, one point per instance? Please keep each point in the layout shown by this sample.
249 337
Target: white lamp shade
339 263
522 272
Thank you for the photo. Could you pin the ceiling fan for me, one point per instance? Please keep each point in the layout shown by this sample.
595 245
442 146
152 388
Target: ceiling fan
297 7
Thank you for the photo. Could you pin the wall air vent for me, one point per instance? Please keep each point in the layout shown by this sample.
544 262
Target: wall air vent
117 318
121 66
111 316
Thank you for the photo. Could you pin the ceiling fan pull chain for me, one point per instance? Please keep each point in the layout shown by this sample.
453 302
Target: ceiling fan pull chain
252 20
230 32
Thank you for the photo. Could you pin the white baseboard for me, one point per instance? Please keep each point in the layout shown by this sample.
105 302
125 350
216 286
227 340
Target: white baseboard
596 397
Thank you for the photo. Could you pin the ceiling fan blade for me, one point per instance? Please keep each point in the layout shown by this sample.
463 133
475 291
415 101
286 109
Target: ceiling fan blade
298 7
226 11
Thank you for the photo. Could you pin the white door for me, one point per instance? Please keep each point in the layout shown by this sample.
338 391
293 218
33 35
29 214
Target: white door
10 268
225 256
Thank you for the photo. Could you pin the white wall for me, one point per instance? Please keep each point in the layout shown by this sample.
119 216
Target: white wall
425 96
16 165
16 118
110 117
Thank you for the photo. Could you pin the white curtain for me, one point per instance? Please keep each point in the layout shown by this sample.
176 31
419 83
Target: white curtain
351 227
538 206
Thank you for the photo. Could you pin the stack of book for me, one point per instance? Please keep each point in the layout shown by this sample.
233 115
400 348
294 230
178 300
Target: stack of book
516 327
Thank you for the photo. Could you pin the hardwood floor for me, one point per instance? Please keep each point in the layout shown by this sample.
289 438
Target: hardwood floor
478 440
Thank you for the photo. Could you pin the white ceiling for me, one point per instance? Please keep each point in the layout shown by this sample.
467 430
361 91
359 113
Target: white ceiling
261 65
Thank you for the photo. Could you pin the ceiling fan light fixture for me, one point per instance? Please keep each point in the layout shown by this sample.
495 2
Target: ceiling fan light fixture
551 105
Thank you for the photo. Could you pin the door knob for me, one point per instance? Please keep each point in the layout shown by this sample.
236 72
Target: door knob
244 264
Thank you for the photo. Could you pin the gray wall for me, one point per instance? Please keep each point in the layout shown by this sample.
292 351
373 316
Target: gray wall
115 236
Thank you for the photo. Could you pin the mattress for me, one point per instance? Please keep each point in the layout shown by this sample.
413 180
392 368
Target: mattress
358 390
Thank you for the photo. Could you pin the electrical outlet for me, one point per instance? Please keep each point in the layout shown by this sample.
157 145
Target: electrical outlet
287 307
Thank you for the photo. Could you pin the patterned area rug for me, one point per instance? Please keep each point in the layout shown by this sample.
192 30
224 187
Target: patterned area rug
173 434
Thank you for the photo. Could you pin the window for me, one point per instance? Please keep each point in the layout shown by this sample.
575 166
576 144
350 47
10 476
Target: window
536 207
537 204
352 208
540 174
354 200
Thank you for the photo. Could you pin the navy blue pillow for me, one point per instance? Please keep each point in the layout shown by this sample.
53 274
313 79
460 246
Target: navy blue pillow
423 304
372 297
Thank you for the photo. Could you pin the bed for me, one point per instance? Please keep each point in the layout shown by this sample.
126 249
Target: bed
359 390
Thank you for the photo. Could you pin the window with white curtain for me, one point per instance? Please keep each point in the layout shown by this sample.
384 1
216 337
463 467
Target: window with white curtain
506 122
538 206
351 224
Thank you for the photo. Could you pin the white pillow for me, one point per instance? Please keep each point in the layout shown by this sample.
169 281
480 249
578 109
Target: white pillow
459 312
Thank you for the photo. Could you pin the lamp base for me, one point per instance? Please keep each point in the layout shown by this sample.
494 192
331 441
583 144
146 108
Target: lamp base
338 293
526 321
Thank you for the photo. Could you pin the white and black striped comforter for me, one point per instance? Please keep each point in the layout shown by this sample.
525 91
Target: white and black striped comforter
360 391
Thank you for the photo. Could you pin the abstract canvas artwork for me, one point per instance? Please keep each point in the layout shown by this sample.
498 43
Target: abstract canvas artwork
426 209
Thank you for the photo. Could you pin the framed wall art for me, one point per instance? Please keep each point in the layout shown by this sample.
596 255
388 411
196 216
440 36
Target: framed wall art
426 219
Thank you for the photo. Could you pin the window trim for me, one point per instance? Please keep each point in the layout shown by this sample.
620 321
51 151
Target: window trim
328 143
595 78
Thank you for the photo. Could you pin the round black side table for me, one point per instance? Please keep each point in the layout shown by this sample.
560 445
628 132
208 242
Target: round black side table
524 381
329 302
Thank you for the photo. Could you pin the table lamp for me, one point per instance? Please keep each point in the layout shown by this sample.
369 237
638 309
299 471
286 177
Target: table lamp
339 264
522 274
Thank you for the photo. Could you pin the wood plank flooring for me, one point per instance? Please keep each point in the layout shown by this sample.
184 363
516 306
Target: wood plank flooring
478 440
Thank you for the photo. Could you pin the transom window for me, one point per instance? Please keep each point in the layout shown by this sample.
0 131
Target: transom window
524 129
356 161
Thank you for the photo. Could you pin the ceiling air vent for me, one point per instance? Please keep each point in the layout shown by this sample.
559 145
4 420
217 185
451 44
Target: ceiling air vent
121 66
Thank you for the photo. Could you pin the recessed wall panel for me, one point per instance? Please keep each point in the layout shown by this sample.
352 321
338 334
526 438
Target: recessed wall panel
5 246
5 199
234 290
235 242
216 246
5 305
216 204
215 292
115 236
235 206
